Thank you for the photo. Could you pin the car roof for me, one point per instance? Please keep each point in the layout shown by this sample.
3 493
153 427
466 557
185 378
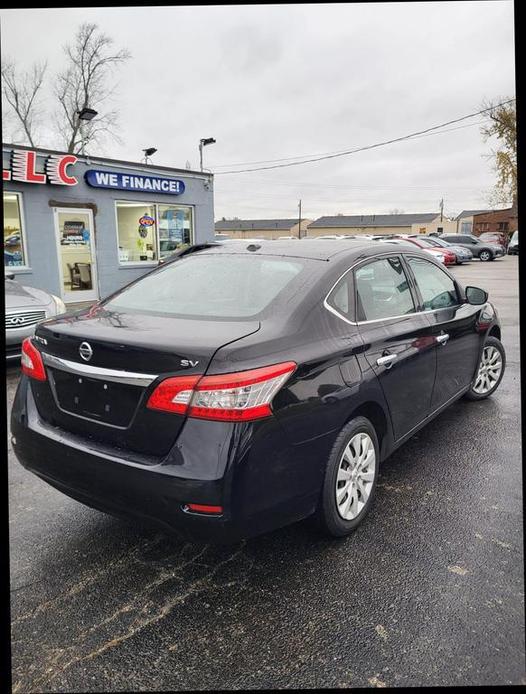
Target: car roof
315 248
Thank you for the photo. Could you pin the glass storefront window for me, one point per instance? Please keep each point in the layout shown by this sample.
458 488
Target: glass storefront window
14 246
136 232
148 231
175 228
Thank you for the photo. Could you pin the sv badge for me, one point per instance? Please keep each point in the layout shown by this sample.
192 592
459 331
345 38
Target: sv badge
189 363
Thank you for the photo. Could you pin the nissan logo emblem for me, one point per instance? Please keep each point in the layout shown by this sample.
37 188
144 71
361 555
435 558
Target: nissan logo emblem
85 351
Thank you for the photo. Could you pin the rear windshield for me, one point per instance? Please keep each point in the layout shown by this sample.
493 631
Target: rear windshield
215 286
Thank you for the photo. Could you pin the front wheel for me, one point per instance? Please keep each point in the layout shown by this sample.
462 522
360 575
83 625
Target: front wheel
490 372
485 256
350 478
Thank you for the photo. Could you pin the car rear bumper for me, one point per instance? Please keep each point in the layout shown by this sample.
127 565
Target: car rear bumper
158 493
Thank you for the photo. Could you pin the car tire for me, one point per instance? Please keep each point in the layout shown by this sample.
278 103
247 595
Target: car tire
356 443
484 256
481 388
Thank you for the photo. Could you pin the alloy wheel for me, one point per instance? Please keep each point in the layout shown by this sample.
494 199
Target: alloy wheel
355 477
489 371
484 255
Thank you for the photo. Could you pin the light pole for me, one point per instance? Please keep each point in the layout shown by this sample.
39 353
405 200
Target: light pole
203 142
85 114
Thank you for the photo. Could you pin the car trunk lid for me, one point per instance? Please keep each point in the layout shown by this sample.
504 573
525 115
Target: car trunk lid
103 395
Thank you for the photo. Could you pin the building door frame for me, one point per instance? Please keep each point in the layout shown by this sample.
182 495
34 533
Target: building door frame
80 294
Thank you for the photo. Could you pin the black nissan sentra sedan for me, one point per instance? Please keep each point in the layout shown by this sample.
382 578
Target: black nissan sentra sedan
242 387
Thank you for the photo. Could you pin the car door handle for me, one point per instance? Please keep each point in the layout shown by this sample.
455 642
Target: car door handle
442 339
386 361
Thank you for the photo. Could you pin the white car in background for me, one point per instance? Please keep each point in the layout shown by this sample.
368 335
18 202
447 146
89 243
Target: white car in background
24 308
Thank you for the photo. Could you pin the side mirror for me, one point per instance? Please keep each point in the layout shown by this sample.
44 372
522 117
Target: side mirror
10 275
476 296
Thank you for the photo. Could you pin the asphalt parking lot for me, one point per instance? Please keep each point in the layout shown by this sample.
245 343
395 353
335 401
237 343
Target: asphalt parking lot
428 591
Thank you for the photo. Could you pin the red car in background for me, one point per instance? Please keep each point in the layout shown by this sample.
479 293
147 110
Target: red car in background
498 237
449 257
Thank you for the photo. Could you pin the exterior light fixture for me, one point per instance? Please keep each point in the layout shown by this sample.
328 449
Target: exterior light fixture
148 152
87 114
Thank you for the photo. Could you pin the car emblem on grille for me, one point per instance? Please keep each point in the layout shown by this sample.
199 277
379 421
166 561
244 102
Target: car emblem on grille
85 351
16 320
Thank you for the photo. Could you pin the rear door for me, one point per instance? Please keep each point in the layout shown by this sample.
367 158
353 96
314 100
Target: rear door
398 344
453 327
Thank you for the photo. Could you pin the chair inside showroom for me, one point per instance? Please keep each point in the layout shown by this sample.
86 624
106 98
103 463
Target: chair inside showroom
85 275
74 276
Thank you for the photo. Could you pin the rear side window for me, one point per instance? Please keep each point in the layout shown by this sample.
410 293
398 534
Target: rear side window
342 297
215 286
437 289
382 290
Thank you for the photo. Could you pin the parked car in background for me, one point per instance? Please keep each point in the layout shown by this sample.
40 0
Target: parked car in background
287 238
513 247
25 307
236 390
496 237
448 256
327 237
462 254
480 249
437 255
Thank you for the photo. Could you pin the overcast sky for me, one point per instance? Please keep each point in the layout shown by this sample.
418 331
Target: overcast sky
273 82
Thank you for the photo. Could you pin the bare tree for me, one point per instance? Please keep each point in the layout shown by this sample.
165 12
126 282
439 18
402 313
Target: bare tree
84 84
20 92
501 123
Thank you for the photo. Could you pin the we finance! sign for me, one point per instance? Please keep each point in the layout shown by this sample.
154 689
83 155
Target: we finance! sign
134 182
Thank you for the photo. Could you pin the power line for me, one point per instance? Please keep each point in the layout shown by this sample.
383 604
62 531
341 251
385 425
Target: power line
367 147
320 154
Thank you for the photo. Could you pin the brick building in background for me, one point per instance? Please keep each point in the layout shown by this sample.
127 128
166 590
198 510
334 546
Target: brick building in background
480 221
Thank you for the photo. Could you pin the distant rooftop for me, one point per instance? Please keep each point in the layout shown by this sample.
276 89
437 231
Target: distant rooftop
256 224
374 220
470 213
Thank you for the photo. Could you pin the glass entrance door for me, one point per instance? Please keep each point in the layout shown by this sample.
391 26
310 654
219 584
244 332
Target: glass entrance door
76 254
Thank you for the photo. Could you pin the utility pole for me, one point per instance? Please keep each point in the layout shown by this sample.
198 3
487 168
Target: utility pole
441 209
299 221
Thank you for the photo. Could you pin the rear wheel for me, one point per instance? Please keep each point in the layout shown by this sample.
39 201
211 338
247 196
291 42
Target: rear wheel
490 372
350 478
485 256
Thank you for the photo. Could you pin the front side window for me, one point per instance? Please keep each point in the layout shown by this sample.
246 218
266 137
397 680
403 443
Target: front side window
436 288
215 286
137 232
14 246
382 290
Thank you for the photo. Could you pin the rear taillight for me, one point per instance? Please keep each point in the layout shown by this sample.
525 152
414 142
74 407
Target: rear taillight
173 394
234 397
32 364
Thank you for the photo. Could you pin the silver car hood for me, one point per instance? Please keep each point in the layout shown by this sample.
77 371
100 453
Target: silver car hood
17 296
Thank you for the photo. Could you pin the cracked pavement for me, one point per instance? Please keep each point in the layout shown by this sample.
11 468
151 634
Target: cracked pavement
428 591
